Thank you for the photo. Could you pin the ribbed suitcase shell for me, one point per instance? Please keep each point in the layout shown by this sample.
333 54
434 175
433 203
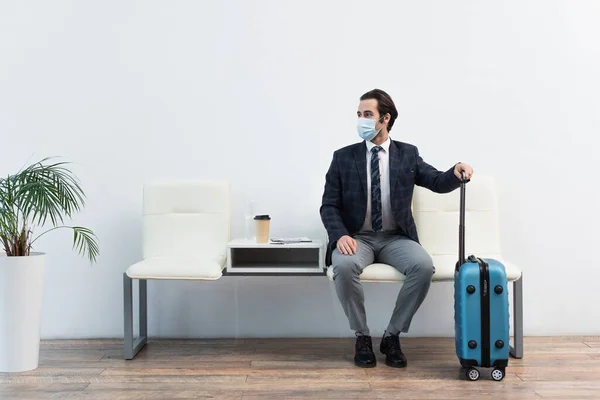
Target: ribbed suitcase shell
470 314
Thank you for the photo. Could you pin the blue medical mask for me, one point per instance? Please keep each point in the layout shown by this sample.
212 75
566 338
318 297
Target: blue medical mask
366 128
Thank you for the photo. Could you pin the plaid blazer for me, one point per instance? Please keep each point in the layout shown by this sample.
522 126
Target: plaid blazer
344 204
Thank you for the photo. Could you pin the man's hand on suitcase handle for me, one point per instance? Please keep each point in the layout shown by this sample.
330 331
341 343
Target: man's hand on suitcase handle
461 168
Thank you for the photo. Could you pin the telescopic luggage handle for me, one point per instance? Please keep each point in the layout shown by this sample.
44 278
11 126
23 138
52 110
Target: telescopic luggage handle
461 226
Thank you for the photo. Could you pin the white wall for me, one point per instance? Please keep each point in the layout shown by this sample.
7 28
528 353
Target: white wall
261 93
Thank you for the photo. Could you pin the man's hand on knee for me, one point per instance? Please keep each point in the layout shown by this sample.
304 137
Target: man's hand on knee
346 245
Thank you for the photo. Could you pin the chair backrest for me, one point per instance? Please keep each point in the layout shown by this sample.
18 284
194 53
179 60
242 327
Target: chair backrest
437 219
186 219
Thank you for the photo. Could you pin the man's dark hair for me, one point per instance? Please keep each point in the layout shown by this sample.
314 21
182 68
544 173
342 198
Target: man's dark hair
385 105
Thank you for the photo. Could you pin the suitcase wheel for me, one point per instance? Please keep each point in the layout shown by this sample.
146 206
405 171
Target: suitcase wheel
472 374
498 374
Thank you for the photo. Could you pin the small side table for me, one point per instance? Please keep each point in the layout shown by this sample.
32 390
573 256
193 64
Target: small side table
245 257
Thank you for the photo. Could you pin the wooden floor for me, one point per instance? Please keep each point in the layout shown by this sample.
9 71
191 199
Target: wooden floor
553 368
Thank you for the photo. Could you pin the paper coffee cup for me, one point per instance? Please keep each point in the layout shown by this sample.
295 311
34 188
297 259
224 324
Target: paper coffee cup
262 228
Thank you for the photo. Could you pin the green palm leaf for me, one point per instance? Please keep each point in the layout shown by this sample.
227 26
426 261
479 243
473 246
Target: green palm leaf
48 191
83 240
38 193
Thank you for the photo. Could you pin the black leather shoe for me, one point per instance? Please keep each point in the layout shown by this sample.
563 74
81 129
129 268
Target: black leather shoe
390 346
364 356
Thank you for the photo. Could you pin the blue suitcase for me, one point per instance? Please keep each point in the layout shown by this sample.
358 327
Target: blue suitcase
481 319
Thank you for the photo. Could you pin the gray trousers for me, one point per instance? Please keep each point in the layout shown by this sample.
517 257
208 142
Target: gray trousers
404 254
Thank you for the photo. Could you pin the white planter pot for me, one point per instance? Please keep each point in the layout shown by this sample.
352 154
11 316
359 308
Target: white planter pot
21 292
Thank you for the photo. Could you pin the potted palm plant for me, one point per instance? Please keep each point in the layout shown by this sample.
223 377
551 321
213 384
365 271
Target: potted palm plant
36 196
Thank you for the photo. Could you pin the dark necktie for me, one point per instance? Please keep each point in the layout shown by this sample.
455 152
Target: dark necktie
376 217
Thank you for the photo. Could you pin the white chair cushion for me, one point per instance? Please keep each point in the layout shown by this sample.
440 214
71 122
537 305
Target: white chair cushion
185 230
480 196
444 270
186 197
438 232
445 264
177 268
186 235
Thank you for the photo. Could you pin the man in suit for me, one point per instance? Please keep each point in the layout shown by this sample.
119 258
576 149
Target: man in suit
366 210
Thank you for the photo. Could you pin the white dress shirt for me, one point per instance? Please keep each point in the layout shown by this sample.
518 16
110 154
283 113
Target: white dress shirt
384 174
